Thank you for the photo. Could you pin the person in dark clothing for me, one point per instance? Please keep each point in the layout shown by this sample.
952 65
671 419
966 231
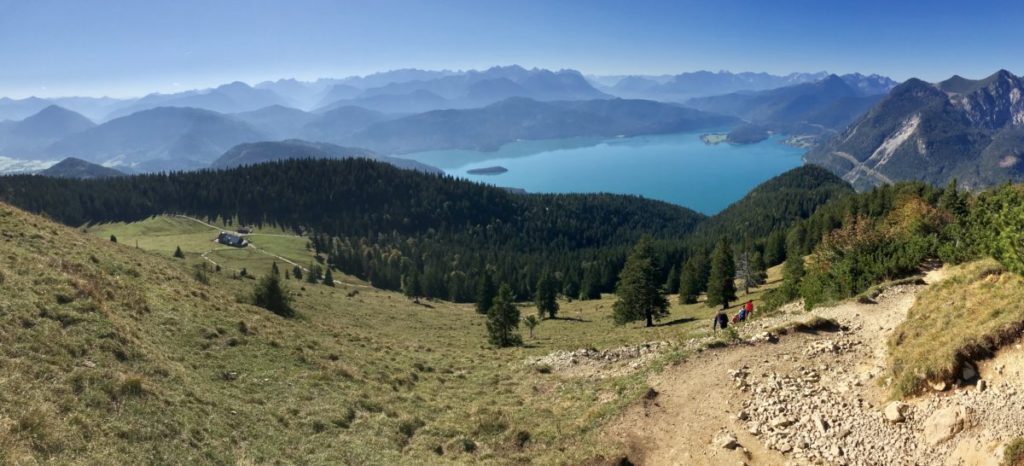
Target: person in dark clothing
720 320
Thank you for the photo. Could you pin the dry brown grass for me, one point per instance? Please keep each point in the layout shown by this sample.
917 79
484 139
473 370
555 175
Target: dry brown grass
963 319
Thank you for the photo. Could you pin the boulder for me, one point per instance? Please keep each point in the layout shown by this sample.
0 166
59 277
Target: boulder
982 385
726 440
939 386
894 411
946 423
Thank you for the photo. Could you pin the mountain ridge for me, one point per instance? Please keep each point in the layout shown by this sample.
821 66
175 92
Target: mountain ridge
958 128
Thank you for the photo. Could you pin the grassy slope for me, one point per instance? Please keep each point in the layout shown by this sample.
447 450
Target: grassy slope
115 354
964 318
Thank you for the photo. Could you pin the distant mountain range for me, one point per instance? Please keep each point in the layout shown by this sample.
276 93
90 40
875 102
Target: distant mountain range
465 90
822 106
229 98
517 118
80 169
685 86
260 152
164 138
971 130
34 134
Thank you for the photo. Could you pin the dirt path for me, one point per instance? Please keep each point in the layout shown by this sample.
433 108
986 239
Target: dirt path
700 399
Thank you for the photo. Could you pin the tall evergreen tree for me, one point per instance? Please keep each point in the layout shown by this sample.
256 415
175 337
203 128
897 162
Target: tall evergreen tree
775 248
639 292
297 272
703 270
796 240
274 270
746 272
672 282
546 296
314 274
689 281
328 277
760 268
721 284
178 253
503 319
411 286
571 288
485 293
590 287
793 274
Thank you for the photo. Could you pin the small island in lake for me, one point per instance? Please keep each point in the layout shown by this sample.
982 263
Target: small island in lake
713 138
487 171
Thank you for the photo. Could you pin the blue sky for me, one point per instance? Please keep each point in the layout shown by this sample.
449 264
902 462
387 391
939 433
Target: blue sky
126 48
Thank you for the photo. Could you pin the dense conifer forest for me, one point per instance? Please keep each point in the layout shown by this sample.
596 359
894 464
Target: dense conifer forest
384 224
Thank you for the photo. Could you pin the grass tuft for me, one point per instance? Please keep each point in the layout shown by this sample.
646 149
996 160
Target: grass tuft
1014 453
967 317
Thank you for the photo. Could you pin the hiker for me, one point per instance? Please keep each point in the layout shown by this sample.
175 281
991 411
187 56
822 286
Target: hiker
720 320
742 314
750 308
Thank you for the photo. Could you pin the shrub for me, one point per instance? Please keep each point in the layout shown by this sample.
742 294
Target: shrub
1014 453
201 272
269 295
409 426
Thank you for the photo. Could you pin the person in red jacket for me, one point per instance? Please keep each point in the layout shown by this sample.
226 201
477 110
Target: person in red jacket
750 308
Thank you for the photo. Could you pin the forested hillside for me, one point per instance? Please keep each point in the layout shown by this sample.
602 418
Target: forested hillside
382 223
438 234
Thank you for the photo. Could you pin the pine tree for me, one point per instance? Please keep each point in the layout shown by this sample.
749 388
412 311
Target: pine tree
721 285
313 276
590 287
545 296
689 281
269 295
485 293
503 319
571 288
297 272
760 268
531 323
411 286
639 292
328 277
793 274
703 271
745 271
178 253
274 270
672 283
113 239
796 240
775 248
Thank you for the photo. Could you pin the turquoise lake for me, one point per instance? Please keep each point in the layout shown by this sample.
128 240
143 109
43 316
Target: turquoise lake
678 168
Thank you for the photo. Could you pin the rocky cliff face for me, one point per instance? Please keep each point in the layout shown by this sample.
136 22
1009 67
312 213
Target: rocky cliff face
971 130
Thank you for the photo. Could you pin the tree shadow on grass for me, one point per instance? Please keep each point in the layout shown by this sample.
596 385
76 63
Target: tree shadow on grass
572 319
679 321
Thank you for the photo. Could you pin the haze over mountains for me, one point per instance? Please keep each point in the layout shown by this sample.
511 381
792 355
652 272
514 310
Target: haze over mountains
870 130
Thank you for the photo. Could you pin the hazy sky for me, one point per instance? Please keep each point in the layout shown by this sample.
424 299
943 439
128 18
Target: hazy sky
126 48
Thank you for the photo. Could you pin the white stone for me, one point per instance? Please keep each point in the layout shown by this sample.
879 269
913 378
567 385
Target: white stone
946 423
726 440
894 411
